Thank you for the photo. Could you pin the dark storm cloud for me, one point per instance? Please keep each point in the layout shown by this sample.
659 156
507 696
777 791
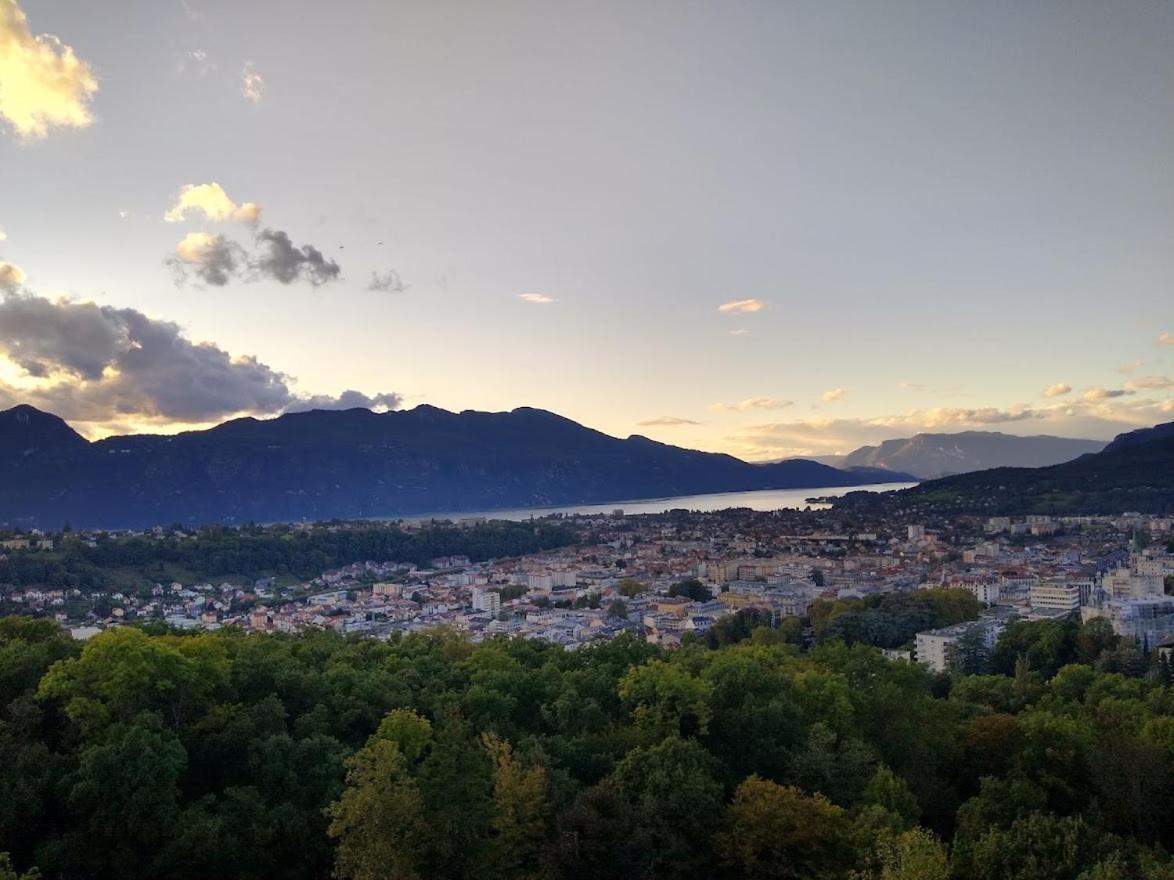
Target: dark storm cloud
216 260
107 364
349 399
279 259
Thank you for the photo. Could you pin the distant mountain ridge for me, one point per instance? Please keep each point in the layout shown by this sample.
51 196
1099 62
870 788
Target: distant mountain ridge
930 456
1135 472
356 463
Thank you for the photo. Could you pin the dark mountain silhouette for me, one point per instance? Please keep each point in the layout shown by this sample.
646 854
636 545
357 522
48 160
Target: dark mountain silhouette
355 463
1135 472
930 456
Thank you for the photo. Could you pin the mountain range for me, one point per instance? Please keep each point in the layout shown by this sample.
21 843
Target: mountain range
1134 472
929 456
357 463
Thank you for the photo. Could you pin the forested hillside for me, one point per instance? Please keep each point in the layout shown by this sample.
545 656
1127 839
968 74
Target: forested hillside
244 756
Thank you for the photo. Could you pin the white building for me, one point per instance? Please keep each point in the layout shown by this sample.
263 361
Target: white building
1056 596
486 600
935 647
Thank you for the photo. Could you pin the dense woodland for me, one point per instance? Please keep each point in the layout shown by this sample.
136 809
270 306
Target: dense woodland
256 551
265 756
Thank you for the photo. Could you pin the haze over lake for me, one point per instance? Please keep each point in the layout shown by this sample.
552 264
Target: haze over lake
763 499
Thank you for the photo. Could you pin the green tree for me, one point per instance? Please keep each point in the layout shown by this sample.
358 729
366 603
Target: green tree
888 790
776 832
666 700
379 821
692 589
520 827
674 792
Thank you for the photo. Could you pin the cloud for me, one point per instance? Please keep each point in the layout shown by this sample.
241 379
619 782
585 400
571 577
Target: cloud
213 202
42 82
1165 339
742 305
665 422
1150 383
752 403
252 83
1059 389
828 436
197 60
214 259
3 235
190 11
537 298
279 259
741 331
1130 367
822 436
11 277
217 260
388 282
834 394
102 365
1097 393
349 399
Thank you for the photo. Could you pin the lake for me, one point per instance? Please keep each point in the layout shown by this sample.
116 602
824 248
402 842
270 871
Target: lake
762 499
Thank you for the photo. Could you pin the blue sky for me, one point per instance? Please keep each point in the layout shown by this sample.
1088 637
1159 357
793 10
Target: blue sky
930 212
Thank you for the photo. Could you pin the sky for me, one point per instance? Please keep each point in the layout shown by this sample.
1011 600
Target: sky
764 228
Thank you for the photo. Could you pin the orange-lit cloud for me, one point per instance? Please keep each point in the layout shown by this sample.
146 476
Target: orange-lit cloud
1150 383
11 277
1097 393
43 84
752 403
834 394
1059 389
213 202
742 305
537 298
666 422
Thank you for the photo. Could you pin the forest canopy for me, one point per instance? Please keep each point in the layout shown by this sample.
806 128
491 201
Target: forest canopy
305 756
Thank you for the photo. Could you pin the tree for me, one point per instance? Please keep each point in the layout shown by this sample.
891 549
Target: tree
673 791
617 609
629 588
776 832
666 700
888 790
519 829
599 836
692 589
379 822
456 784
124 796
970 655
915 854
1039 846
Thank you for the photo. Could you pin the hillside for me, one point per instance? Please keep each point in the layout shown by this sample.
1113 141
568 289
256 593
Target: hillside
355 463
929 456
1134 473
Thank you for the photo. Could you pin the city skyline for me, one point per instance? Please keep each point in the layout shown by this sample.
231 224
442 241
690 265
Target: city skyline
779 229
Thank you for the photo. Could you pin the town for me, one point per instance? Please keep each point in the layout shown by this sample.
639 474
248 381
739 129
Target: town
671 577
